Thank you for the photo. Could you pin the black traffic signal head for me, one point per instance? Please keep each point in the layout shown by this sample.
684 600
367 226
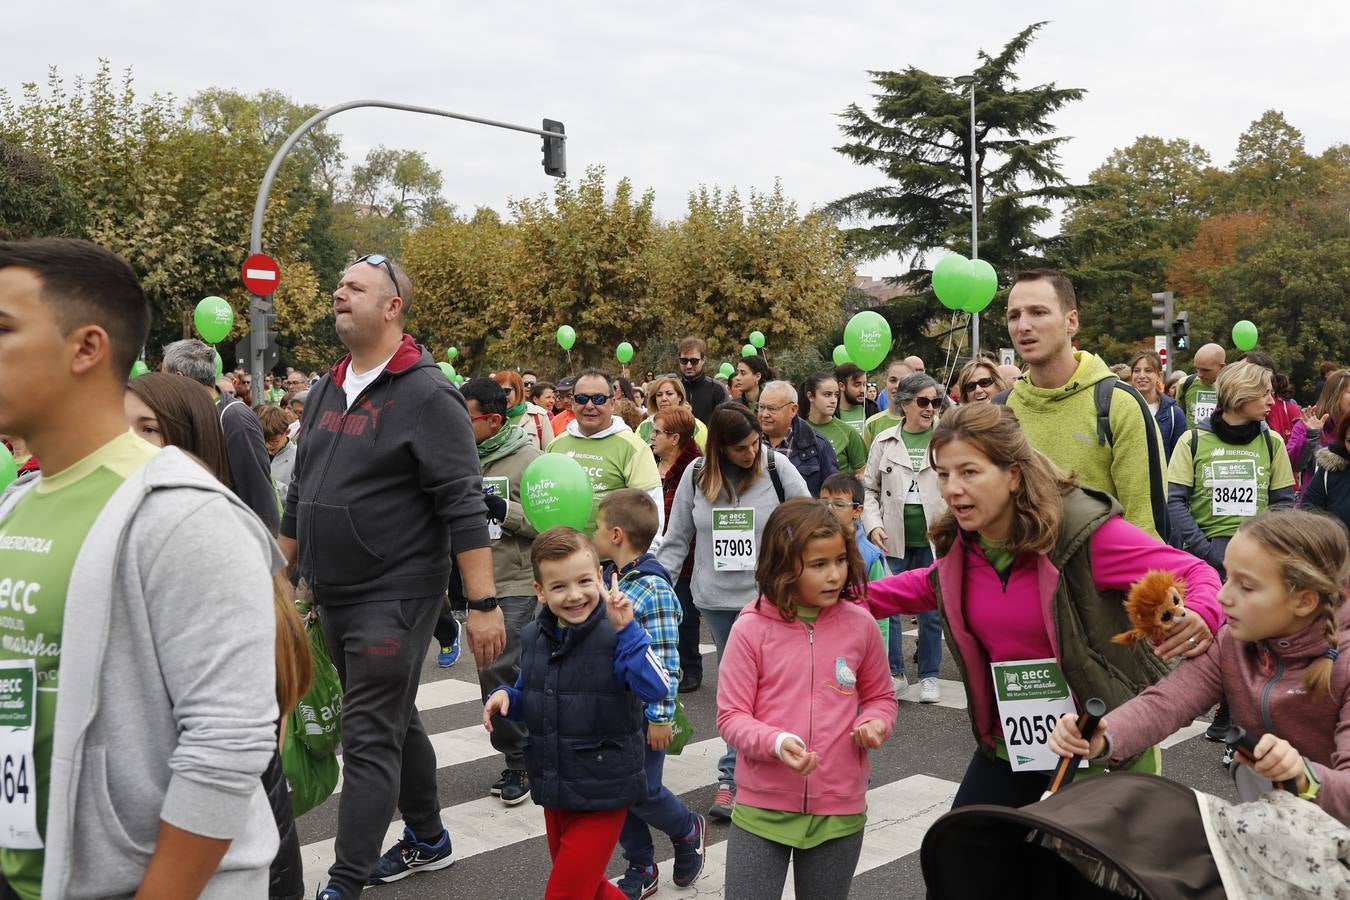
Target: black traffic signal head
555 150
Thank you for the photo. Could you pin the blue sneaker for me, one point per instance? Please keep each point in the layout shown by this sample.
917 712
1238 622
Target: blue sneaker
639 882
410 856
328 893
448 655
690 854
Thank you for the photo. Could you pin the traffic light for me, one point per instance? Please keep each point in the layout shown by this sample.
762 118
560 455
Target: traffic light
1181 331
1162 311
555 150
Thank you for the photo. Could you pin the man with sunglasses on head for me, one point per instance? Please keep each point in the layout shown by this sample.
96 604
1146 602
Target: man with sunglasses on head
704 394
386 486
612 456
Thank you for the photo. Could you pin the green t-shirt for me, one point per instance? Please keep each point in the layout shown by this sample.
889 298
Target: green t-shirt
1204 395
916 521
1234 483
877 424
847 443
855 418
997 554
618 460
39 541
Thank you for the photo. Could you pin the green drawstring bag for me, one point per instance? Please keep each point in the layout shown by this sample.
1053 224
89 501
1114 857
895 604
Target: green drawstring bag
314 727
683 731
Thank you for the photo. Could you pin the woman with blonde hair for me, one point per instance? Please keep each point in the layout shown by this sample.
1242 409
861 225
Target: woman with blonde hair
533 420
1229 467
1031 570
979 381
664 393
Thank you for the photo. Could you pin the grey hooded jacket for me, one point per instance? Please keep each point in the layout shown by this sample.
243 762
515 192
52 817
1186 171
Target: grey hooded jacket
167 702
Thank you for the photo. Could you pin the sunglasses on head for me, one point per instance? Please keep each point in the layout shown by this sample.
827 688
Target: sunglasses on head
925 402
379 259
597 399
985 383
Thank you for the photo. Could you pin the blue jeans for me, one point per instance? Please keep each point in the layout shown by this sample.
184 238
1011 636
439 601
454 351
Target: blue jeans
719 623
930 627
661 809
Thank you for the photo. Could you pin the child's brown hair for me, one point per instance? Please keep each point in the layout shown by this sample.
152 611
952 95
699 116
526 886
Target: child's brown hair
635 512
1313 554
558 543
790 528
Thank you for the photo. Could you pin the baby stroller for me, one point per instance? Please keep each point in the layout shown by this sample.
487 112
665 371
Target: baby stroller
1138 836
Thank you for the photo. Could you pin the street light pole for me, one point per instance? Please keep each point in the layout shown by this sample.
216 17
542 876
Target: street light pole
974 211
262 306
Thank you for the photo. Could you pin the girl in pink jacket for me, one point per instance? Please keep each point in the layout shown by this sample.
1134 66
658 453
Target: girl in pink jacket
1277 661
803 692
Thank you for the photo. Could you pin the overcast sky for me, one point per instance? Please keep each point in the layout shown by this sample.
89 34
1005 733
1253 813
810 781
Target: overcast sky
675 95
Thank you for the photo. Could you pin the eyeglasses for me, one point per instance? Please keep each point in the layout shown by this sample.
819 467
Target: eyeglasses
656 431
985 383
379 259
597 399
481 417
925 402
841 504
690 360
772 410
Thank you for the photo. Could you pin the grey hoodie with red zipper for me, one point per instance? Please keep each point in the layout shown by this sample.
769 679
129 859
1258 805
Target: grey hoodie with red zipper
384 492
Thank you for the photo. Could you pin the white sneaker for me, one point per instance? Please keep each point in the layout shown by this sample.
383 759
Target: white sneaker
929 692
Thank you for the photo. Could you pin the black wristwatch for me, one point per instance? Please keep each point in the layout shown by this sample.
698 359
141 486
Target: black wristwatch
487 604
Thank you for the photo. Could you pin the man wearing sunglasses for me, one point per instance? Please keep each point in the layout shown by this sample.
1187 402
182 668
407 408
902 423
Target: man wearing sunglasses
606 448
386 483
704 394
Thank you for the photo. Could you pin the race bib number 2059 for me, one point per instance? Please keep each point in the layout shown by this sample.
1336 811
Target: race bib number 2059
1032 695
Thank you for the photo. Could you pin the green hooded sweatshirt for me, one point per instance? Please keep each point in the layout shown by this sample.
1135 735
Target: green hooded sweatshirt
1062 423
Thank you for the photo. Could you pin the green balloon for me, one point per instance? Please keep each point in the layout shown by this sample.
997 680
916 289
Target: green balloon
447 369
952 279
567 336
220 366
867 338
983 286
139 368
624 352
757 339
555 490
451 353
214 318
727 370
749 350
1244 335
9 469
841 355
458 379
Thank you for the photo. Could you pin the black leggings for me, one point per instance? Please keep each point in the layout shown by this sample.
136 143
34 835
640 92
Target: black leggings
993 781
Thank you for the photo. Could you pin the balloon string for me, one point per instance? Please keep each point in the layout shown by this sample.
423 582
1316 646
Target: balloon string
948 364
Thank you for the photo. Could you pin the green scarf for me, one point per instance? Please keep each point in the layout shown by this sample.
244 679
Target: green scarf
503 444
515 412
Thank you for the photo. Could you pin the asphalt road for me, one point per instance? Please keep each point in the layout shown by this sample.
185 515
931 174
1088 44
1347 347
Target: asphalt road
501 852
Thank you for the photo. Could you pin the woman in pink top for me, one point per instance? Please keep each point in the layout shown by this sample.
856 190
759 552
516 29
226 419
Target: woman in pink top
1033 568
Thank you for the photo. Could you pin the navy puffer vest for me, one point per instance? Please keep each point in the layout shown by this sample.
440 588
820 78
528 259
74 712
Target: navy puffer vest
586 741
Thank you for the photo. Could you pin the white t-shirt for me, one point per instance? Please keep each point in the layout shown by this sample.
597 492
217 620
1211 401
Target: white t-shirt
356 382
1153 407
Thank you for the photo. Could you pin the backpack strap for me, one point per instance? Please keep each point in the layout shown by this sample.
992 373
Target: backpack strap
774 476
1186 385
1195 439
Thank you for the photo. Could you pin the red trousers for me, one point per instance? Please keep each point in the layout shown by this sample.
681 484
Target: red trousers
581 844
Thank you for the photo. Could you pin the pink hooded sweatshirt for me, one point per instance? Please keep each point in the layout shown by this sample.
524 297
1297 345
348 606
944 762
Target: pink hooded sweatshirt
994 622
818 680
1263 682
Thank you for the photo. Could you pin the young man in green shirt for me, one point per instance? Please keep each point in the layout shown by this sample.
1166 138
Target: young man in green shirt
854 407
889 417
140 754
822 397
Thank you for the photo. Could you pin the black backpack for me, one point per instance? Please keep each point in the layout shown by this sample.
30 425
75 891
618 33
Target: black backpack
770 463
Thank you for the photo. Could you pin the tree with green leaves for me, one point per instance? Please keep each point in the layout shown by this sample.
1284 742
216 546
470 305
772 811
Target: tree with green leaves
35 200
398 183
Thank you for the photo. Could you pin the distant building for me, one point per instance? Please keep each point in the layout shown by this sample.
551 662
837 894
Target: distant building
879 289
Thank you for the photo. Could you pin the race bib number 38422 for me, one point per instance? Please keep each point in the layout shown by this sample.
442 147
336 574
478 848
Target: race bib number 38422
18 772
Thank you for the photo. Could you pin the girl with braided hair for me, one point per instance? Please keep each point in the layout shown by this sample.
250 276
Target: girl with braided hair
1277 661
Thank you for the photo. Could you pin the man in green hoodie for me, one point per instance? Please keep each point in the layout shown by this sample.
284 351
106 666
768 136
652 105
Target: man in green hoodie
1106 437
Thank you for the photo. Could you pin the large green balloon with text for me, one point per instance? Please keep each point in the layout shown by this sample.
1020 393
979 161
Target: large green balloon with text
867 338
555 490
214 317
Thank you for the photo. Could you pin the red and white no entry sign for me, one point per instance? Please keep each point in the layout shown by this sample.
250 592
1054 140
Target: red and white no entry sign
261 274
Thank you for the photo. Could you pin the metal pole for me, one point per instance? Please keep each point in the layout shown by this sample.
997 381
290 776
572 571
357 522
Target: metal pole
974 226
259 305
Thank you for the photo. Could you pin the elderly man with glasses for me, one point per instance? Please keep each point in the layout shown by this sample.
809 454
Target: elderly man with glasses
612 456
704 393
811 454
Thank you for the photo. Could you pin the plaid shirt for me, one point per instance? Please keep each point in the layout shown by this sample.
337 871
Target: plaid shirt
657 610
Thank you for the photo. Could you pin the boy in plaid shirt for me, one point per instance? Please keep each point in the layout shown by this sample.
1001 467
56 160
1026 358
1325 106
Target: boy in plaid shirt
626 524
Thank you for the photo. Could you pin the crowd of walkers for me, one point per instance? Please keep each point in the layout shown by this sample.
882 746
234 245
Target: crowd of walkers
1010 510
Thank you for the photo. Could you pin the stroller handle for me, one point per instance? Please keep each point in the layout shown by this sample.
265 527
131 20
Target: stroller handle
1244 745
1094 709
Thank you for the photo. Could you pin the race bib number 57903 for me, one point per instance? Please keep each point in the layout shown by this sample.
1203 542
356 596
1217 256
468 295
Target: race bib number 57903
733 533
